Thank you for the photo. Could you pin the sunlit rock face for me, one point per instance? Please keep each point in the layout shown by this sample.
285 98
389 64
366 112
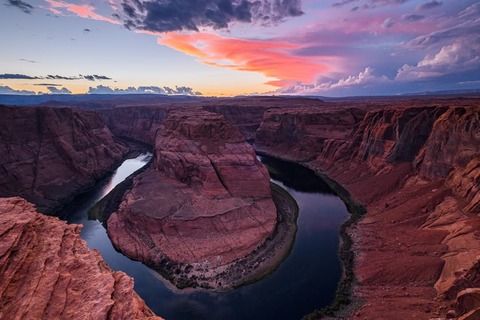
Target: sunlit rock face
416 167
48 272
206 198
48 155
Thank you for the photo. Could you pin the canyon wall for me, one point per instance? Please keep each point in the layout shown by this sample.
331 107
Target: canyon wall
51 154
48 272
416 168
138 123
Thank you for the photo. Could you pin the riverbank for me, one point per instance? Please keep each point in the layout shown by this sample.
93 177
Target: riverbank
344 303
253 267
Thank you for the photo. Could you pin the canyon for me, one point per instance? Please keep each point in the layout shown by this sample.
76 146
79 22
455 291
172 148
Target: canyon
413 164
415 168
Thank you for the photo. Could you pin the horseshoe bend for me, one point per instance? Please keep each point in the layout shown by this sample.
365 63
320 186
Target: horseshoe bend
203 213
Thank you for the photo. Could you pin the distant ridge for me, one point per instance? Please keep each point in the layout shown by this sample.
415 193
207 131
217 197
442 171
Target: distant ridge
53 99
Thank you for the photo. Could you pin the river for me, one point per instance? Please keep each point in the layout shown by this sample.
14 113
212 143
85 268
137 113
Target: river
305 281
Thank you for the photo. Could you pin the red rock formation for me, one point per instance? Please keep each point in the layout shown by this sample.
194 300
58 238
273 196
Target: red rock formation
417 170
47 272
51 154
205 200
137 123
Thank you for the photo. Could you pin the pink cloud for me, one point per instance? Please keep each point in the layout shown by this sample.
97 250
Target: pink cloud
84 11
273 58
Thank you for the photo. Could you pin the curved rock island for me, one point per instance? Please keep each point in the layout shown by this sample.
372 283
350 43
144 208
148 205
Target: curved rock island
203 205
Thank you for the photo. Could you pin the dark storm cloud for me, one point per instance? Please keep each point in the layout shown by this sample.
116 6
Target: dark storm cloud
22 5
16 76
429 5
174 15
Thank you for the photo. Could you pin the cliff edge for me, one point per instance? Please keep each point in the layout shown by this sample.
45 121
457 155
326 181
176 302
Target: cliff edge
48 272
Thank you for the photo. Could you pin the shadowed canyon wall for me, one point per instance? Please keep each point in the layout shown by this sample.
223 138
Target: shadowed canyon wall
51 154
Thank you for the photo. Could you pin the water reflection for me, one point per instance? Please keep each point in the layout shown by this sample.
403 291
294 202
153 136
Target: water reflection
306 280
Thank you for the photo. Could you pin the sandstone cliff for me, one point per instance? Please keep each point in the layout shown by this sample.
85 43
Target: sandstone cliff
51 154
47 272
139 123
205 201
417 170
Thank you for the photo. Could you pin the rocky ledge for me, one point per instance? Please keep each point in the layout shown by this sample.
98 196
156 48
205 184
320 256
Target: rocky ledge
48 272
204 203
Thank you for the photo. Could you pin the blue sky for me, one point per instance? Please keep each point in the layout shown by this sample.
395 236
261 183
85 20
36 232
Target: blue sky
223 48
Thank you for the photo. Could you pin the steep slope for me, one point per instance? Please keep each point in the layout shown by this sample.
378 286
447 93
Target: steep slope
47 272
416 170
51 154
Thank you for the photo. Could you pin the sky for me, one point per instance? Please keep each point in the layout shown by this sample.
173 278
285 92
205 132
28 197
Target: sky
239 47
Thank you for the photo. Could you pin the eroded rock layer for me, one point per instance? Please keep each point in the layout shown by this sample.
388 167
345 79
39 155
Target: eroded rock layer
47 272
205 200
51 154
416 168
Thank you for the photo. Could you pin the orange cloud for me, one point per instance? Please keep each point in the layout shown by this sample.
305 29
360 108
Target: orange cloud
83 11
270 57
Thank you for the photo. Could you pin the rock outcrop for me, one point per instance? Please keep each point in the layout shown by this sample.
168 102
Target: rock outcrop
206 200
51 154
416 168
47 271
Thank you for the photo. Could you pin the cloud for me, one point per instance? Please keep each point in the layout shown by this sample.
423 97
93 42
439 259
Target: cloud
84 11
29 61
412 17
47 84
342 3
462 55
8 90
388 23
16 76
366 78
429 5
370 4
94 77
273 58
57 77
100 89
63 90
177 15
463 26
22 5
